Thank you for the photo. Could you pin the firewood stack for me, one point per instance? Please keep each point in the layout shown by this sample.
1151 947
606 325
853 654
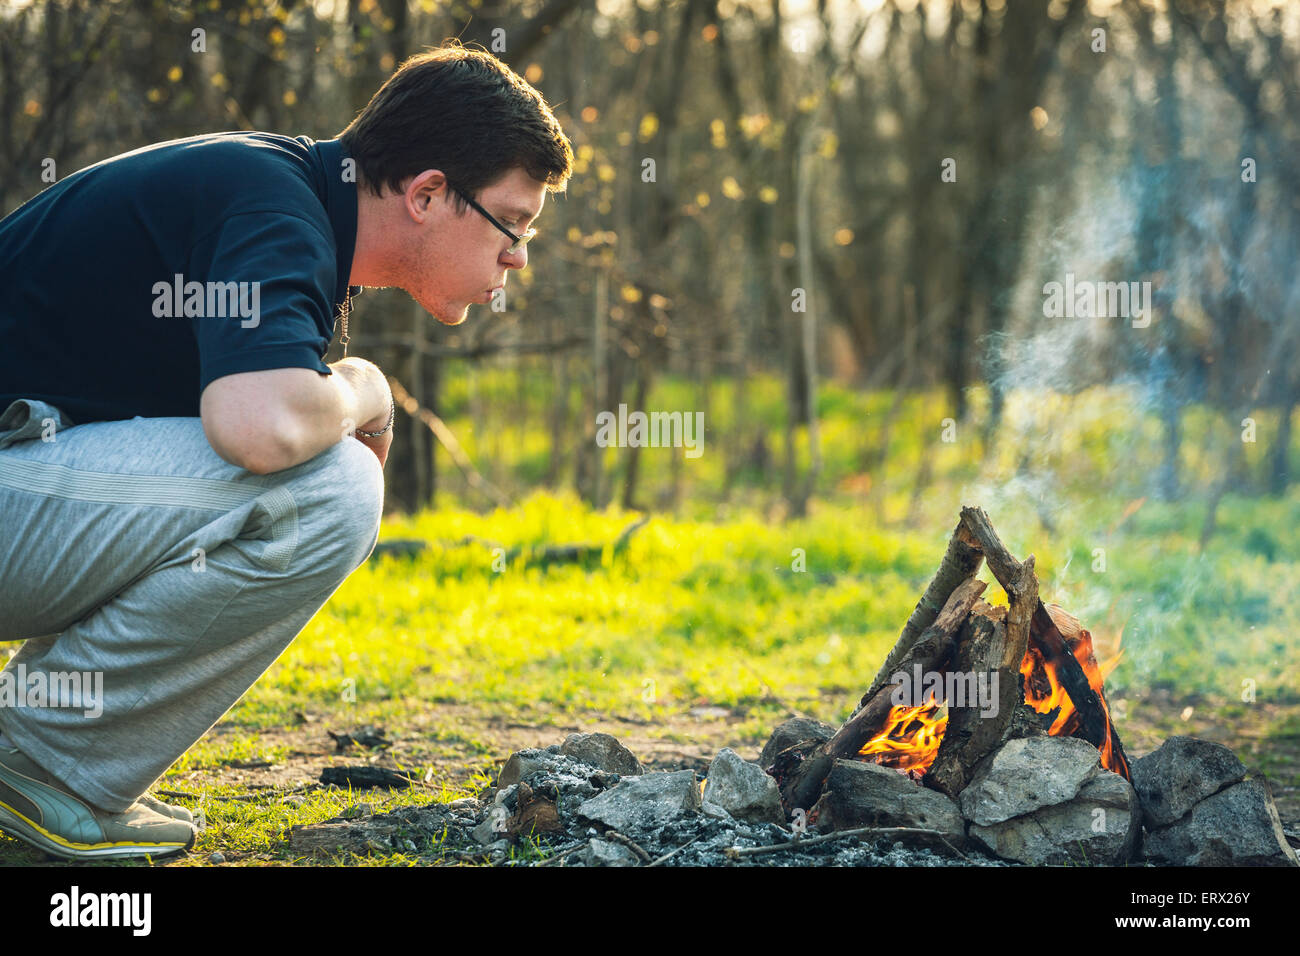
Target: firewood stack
952 630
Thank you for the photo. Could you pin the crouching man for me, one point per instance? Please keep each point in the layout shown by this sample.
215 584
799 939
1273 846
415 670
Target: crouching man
184 482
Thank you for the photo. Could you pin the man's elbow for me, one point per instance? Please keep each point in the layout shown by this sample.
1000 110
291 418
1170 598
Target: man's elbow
261 452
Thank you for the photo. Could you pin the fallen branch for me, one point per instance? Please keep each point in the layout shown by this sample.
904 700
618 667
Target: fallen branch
177 795
631 844
555 554
736 852
563 853
365 777
672 853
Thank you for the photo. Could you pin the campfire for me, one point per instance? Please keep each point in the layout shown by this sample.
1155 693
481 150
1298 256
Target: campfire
1027 668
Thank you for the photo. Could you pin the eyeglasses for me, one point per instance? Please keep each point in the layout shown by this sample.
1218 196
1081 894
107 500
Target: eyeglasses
517 242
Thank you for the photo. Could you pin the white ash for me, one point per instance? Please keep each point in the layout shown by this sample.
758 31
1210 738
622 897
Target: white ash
713 835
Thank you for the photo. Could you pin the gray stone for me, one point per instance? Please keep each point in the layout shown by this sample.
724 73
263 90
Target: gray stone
792 732
524 762
645 802
1238 826
1028 774
862 794
464 803
493 824
608 853
1099 825
715 811
1180 774
743 789
603 752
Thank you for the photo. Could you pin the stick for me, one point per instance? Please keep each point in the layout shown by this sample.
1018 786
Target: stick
735 852
672 853
631 844
563 853
982 648
931 649
1068 630
801 770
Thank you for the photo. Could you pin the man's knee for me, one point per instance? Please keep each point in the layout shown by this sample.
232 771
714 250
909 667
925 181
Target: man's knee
345 502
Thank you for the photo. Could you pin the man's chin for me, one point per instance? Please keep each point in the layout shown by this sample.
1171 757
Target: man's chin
443 316
452 320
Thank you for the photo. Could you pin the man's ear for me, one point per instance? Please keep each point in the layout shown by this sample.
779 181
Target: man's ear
422 191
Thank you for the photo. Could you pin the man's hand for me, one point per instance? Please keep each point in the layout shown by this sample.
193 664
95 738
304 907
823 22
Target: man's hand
372 389
378 445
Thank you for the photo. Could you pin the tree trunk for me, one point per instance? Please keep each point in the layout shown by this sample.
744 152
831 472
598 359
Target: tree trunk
1279 471
634 451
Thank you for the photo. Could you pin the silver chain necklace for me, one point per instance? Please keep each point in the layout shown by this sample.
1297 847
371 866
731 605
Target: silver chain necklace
343 315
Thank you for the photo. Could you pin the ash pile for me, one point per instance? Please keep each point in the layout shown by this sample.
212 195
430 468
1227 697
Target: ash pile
589 802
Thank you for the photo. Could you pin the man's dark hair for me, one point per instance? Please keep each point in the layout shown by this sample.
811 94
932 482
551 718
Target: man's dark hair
464 112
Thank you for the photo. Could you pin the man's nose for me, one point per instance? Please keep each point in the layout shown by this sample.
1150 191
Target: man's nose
516 260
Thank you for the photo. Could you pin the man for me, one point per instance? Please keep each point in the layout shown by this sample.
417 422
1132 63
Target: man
183 481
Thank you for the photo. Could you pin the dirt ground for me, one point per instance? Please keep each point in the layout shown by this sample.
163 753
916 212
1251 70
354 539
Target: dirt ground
1265 736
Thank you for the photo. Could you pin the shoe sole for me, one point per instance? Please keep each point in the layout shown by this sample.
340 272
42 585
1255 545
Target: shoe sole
18 826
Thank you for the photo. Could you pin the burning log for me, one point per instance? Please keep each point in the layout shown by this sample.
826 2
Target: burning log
972 730
801 770
960 561
1093 717
998 646
1094 723
959 642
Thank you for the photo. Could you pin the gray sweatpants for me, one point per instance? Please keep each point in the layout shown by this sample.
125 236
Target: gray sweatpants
131 549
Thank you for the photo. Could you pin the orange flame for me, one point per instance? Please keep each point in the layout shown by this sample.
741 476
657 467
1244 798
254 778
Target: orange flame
1043 692
910 738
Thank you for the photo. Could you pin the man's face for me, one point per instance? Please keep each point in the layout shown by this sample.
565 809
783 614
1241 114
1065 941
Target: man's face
458 259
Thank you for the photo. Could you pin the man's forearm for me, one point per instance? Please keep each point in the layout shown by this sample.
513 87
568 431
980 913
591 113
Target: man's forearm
325 412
